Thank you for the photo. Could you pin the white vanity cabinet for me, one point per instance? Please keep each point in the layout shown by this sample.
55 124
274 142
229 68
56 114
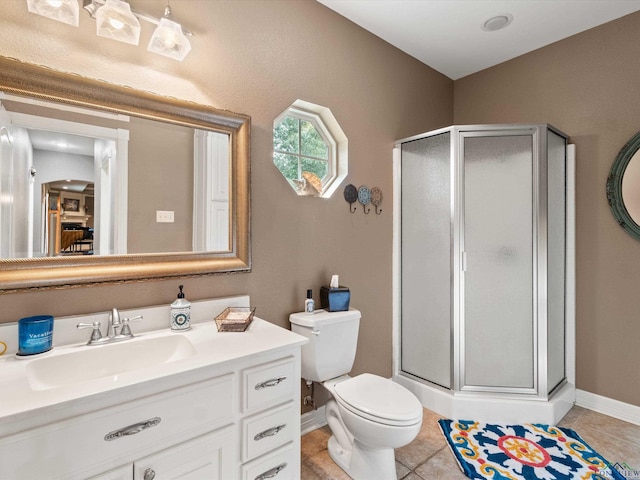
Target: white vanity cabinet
270 427
237 418
206 457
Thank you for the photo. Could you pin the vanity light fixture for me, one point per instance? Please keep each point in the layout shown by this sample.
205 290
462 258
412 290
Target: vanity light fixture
168 38
65 11
115 19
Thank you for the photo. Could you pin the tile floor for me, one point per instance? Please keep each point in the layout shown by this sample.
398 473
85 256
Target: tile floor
428 456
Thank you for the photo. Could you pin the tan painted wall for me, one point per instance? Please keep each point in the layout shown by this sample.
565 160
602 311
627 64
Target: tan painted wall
588 87
256 57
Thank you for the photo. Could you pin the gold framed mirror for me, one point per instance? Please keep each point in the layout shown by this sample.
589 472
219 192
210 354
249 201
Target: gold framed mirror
59 271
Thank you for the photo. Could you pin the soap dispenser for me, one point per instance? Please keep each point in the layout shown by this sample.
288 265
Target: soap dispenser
309 304
180 313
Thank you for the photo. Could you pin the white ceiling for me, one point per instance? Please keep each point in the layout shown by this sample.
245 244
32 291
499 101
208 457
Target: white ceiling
61 142
447 35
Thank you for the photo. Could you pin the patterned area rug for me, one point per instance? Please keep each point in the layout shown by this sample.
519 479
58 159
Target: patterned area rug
531 452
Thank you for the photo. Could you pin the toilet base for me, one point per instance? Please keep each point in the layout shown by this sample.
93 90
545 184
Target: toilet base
363 463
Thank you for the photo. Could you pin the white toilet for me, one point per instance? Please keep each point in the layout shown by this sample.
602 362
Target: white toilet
368 415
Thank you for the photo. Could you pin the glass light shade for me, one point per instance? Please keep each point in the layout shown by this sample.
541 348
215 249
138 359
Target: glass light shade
168 40
65 11
114 20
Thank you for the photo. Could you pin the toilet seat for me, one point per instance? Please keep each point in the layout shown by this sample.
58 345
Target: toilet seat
379 400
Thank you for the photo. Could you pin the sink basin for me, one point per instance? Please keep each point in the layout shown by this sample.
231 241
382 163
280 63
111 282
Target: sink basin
108 360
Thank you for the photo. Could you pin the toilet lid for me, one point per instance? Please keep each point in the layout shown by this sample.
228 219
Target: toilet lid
379 399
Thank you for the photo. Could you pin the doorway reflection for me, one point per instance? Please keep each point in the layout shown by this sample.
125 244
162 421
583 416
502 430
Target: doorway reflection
69 226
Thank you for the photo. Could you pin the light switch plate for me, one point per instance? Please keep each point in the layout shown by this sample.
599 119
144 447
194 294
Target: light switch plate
164 216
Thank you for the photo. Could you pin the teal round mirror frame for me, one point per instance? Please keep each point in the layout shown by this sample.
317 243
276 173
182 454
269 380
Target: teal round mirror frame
614 187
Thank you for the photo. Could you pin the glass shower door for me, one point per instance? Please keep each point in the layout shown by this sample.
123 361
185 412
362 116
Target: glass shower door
426 207
497 288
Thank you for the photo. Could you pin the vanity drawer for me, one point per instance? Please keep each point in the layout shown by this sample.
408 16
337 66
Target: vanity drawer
268 384
283 464
267 431
119 434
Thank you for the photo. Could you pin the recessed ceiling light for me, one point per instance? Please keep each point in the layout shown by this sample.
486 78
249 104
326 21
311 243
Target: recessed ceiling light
497 23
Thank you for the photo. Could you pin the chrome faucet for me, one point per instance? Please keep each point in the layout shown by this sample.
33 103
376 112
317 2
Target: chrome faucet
113 323
111 334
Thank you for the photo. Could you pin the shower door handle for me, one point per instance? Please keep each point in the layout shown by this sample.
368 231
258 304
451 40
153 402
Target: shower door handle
463 261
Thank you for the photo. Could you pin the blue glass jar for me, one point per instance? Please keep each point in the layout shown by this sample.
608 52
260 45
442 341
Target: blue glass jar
35 334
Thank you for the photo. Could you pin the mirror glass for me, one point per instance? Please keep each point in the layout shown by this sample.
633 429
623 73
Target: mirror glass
84 164
631 188
97 179
623 187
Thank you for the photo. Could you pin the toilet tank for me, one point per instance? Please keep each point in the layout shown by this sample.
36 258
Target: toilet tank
333 339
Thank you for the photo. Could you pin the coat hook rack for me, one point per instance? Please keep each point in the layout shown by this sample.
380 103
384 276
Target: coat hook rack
376 199
364 197
351 195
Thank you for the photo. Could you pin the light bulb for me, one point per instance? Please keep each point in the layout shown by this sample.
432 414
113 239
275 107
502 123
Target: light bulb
115 23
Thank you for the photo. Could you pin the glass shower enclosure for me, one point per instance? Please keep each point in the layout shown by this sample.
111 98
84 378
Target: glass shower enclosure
482 267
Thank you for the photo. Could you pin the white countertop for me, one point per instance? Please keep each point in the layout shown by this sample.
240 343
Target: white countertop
22 406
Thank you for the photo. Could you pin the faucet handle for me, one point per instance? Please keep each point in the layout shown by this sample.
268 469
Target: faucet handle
96 335
125 331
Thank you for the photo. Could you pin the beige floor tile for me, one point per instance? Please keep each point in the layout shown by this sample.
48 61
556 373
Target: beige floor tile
323 467
401 470
572 417
428 457
611 447
427 442
315 441
307 473
603 423
412 476
441 466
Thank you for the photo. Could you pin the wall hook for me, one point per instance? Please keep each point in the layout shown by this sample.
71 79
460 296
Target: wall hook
351 195
376 199
364 197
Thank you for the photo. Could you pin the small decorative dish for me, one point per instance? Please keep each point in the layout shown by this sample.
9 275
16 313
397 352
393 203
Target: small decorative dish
235 319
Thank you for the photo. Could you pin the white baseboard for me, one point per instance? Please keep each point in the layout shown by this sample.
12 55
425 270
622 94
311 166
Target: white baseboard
608 406
312 420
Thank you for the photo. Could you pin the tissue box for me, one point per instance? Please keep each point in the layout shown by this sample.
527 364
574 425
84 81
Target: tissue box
335 299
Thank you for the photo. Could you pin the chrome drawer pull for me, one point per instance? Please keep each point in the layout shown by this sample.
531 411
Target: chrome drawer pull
149 474
270 383
273 472
269 432
132 429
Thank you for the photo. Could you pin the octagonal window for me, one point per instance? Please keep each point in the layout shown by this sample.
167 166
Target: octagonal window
310 149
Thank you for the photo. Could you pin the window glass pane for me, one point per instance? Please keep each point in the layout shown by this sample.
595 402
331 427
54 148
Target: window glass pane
285 135
319 167
287 164
312 143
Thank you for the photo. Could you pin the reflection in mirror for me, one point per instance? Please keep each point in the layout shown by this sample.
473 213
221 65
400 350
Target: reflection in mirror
84 165
170 195
67 213
631 188
623 187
